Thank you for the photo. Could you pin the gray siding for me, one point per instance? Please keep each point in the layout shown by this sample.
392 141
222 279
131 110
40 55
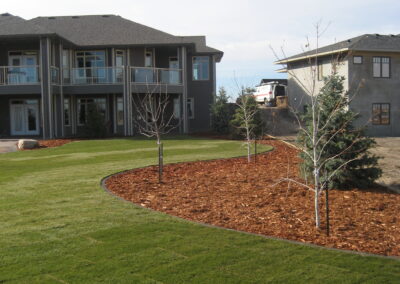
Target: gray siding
376 90
203 94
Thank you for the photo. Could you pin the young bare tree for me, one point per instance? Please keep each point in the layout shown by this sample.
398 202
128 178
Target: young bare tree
326 122
247 119
152 119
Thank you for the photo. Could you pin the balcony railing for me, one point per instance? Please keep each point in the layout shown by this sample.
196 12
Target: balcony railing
147 75
19 75
29 75
93 75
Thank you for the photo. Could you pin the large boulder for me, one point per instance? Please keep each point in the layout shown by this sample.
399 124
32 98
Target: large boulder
27 144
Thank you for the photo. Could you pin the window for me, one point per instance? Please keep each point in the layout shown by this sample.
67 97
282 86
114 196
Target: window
120 111
67 112
119 64
381 67
91 64
65 64
381 114
148 58
201 66
320 71
177 108
190 108
357 59
85 106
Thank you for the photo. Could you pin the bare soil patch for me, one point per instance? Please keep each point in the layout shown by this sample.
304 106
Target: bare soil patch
234 194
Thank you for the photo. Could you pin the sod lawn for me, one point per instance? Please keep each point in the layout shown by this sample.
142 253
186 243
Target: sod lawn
57 225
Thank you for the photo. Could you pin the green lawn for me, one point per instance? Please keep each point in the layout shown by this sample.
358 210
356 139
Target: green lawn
58 226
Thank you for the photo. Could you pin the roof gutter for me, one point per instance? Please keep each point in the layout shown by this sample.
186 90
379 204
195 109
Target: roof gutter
288 60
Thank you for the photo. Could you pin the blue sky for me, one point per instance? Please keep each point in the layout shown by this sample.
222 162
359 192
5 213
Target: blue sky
244 30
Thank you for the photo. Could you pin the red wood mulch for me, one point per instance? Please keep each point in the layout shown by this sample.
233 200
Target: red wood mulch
237 195
54 142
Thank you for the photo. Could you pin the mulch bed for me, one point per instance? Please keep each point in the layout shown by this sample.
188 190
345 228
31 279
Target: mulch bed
237 195
51 143
54 142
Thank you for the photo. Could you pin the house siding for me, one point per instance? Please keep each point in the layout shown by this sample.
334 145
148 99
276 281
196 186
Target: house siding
375 90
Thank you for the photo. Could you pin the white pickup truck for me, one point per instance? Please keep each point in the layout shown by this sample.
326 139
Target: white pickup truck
266 93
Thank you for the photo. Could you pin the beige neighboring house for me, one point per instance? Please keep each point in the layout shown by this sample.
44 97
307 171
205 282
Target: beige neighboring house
370 64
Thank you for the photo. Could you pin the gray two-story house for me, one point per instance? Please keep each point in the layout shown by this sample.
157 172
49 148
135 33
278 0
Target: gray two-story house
54 69
371 66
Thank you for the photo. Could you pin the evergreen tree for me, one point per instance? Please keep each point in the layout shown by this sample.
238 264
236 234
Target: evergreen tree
221 113
343 148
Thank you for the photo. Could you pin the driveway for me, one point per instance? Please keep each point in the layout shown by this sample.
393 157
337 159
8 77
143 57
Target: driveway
8 146
389 149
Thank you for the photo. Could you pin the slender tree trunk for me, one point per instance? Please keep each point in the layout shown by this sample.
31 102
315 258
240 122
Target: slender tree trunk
316 197
255 151
248 150
327 211
160 161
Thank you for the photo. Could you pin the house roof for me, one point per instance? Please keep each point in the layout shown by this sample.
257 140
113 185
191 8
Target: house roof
366 42
106 30
11 25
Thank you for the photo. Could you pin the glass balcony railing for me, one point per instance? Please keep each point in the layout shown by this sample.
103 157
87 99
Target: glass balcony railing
29 75
93 75
148 75
19 75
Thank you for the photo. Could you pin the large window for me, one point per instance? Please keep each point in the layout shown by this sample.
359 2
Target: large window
190 108
91 64
120 111
381 114
201 68
381 67
67 112
85 106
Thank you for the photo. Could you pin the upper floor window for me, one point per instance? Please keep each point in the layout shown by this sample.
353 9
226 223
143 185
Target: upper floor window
201 67
90 59
357 59
148 58
381 67
381 114
119 64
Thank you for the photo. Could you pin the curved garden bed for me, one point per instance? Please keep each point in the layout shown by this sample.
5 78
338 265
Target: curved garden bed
237 195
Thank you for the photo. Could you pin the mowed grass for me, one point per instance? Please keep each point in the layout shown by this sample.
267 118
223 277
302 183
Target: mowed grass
58 226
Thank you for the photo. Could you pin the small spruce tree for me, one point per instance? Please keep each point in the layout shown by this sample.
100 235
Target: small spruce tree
340 143
221 113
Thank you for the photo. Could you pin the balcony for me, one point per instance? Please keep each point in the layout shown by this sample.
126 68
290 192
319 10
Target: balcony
29 75
165 76
93 76
19 75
